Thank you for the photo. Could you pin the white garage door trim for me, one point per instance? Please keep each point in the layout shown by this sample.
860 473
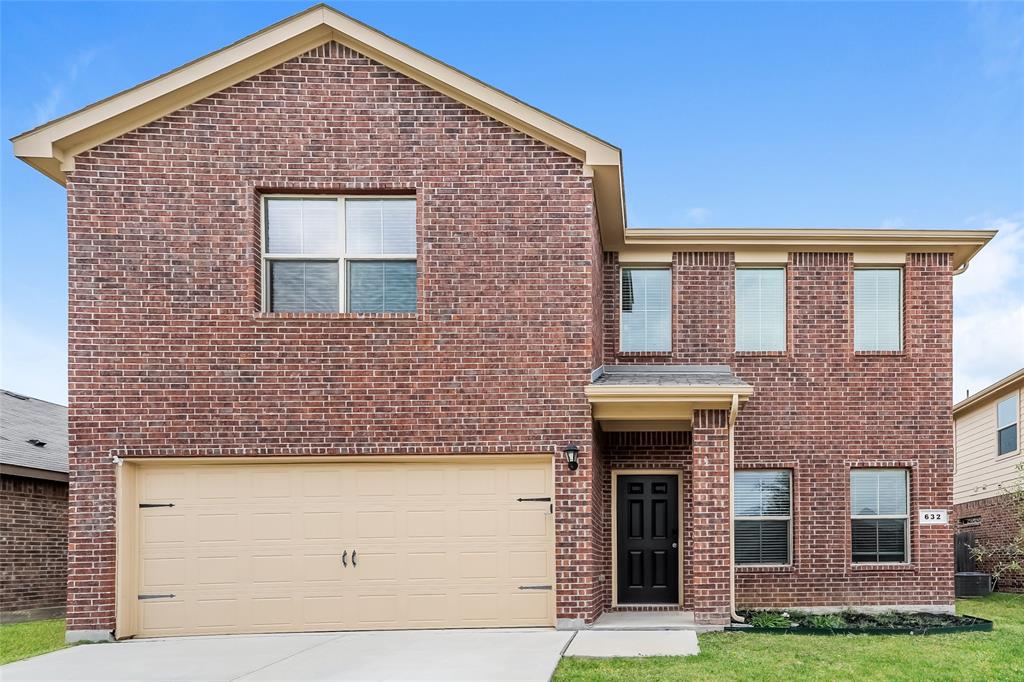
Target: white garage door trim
128 512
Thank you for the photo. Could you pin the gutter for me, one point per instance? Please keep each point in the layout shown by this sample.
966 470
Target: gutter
733 412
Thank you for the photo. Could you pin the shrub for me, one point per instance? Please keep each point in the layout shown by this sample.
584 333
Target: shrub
770 619
826 621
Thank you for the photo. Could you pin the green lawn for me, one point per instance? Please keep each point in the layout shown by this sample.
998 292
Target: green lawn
996 655
24 640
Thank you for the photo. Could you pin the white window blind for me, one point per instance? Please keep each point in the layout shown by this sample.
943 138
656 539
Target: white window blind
880 515
1007 412
762 509
878 309
760 309
314 261
646 310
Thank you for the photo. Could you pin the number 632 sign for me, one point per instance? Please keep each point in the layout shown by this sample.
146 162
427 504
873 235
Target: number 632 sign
934 516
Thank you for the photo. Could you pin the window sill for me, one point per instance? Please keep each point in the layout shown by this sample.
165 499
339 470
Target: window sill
765 568
888 567
878 353
649 354
336 316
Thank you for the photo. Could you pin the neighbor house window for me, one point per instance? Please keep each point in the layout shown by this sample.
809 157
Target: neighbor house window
646 320
878 309
1007 416
763 516
760 309
331 254
880 515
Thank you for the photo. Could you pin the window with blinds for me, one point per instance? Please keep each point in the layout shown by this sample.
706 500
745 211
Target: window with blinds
1007 412
646 310
762 513
330 254
761 309
878 309
880 524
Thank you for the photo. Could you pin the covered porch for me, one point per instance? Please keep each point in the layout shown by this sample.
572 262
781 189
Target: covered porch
663 459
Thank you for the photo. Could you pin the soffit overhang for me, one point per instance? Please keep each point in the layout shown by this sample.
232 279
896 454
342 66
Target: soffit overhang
963 244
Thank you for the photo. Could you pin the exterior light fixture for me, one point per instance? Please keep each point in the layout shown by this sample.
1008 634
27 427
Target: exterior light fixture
572 456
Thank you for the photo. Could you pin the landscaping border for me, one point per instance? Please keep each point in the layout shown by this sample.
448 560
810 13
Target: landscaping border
982 625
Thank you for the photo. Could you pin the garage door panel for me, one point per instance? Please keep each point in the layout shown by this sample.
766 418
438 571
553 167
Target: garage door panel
258 548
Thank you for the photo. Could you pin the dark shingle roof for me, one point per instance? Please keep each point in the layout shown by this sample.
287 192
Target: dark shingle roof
23 419
668 375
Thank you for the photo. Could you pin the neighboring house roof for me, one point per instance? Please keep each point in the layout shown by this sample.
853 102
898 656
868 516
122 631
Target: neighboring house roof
33 437
51 148
1015 380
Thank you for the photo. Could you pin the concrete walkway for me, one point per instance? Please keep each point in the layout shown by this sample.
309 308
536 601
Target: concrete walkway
529 655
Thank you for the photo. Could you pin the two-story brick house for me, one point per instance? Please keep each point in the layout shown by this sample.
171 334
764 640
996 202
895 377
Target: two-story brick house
360 342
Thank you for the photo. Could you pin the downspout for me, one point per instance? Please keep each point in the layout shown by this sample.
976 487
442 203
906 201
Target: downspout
733 411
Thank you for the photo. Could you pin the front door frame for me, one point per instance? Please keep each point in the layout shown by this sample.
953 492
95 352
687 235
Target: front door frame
678 473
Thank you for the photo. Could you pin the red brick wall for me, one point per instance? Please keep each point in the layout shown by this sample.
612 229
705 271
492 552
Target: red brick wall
998 524
169 356
821 409
33 543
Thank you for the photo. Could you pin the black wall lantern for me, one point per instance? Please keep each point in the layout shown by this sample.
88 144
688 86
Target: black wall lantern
572 456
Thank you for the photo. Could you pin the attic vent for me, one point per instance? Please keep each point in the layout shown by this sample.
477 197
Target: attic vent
16 395
38 443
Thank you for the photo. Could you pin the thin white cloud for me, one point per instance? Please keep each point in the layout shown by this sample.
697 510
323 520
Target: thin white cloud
999 29
988 322
47 108
33 363
698 216
894 223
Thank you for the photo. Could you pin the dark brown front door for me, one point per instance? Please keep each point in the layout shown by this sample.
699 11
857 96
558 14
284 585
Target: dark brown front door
648 539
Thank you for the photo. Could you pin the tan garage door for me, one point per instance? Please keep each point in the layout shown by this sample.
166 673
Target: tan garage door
353 546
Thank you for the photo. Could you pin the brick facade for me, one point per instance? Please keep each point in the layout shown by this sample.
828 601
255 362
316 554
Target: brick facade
820 409
996 524
170 356
33 544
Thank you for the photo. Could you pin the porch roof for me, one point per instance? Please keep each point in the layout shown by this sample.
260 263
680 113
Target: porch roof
661 397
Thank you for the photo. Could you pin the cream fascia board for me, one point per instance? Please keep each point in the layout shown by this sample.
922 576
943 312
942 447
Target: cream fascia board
996 390
696 392
963 244
51 148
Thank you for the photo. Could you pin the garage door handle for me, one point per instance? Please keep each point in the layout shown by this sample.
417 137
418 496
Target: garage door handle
353 558
344 558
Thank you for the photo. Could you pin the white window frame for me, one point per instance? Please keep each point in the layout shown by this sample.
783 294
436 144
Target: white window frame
785 309
788 518
881 517
1016 422
671 304
341 257
902 305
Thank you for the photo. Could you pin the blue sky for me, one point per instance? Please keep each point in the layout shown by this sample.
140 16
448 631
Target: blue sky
729 114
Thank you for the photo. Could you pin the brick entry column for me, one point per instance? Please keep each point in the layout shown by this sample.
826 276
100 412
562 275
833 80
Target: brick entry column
711 559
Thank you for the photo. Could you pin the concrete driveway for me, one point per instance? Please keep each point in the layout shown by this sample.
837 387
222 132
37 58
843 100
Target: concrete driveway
406 655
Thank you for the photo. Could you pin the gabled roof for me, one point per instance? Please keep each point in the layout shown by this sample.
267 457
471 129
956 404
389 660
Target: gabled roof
1008 383
24 420
51 148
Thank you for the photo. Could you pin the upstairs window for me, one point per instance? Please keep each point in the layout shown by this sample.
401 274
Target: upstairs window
646 310
880 525
761 309
763 516
331 254
878 309
1007 417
